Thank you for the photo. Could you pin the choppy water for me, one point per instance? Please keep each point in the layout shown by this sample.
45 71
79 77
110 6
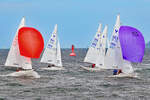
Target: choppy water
75 83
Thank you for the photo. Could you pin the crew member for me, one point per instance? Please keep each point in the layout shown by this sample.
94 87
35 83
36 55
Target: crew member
51 65
119 71
115 71
93 65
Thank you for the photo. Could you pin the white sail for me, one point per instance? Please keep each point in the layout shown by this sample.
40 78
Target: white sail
104 39
108 44
114 54
14 58
103 43
26 62
127 67
58 56
49 55
114 57
94 49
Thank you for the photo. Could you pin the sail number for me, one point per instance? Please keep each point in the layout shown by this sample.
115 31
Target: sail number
114 41
50 45
94 43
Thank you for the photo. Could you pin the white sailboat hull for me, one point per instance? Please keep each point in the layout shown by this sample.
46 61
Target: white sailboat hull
55 68
26 73
131 75
92 69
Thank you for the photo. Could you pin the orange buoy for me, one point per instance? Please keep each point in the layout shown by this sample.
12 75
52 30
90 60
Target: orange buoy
72 53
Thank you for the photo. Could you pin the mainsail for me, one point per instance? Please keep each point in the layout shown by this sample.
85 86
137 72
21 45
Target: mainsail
103 40
14 58
52 53
94 50
114 55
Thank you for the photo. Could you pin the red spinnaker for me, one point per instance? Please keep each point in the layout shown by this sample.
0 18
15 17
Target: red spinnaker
30 41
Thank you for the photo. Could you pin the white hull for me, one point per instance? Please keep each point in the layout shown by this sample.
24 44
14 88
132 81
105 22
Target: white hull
12 67
132 75
27 73
92 69
53 68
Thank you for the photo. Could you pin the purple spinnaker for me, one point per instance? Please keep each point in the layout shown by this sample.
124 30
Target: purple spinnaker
132 44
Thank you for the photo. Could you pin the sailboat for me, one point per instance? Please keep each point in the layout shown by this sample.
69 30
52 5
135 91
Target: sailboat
97 50
52 53
115 58
14 59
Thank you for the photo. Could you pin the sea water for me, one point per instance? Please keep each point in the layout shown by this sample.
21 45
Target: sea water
75 83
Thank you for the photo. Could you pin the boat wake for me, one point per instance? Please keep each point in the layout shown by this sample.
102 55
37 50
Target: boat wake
28 73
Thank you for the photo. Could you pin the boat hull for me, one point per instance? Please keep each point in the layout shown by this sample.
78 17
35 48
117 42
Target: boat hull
132 75
26 73
53 68
91 69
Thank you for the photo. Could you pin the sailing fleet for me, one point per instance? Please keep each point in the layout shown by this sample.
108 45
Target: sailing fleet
103 53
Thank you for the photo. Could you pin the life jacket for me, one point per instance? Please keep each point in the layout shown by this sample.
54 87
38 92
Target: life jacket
115 72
